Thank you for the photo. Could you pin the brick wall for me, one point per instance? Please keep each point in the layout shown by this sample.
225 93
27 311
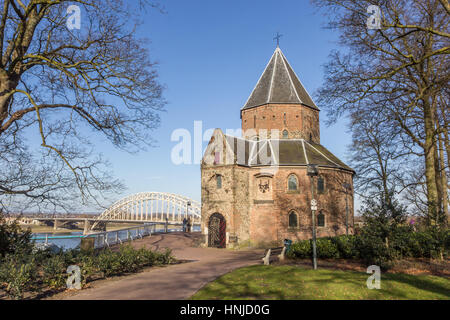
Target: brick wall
300 121
259 215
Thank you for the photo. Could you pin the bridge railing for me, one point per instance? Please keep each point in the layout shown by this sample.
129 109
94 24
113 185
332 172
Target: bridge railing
109 238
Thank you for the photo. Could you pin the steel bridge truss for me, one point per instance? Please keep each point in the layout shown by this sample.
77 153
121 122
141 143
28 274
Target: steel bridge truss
152 207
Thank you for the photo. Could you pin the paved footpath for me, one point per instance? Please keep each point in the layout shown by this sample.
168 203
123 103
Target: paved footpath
176 282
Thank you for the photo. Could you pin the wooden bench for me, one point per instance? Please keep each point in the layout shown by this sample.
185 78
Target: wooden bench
272 253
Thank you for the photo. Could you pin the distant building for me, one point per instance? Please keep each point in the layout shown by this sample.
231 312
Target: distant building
255 188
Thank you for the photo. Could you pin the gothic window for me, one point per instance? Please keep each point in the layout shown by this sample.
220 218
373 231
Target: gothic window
293 220
254 121
292 182
320 185
284 118
219 181
321 219
285 134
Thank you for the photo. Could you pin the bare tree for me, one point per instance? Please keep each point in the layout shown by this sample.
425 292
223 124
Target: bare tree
59 87
403 67
378 157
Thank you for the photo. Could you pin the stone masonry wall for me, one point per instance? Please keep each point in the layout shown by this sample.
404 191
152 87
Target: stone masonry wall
232 200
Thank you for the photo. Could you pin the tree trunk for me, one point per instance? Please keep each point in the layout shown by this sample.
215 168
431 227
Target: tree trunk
430 172
438 169
444 181
7 85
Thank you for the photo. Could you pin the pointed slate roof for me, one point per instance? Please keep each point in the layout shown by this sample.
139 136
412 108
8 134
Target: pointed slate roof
279 84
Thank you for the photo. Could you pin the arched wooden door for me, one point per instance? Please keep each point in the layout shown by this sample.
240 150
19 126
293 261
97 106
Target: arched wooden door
217 231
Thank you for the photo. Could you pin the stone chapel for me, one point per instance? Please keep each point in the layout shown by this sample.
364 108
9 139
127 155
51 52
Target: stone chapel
255 188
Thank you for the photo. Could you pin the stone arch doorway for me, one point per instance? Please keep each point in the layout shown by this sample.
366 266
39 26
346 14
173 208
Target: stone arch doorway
217 231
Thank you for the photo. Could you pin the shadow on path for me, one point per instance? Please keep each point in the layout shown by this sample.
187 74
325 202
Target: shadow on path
175 282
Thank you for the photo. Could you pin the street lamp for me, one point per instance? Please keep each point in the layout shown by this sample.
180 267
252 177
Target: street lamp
312 172
347 188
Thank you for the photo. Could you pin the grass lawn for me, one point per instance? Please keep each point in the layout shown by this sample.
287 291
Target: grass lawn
299 283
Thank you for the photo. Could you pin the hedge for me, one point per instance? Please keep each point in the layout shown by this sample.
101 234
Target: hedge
403 243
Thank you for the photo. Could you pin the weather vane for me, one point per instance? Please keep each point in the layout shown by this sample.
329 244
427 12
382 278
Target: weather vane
278 37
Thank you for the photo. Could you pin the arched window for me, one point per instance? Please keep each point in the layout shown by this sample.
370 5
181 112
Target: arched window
219 181
293 220
321 219
292 182
285 134
320 185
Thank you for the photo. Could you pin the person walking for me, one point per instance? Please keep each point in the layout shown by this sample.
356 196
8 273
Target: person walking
189 225
184 224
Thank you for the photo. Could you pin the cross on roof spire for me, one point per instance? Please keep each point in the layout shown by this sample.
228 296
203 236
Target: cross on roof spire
278 37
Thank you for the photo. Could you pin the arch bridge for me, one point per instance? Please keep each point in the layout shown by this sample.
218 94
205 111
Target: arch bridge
152 207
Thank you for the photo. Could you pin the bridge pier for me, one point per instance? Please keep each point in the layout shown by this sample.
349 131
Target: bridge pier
87 227
56 224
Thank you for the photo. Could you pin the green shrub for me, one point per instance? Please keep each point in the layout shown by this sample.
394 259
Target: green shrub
371 247
345 246
374 251
13 240
147 257
128 260
326 249
18 274
27 272
109 263
89 267
165 257
300 249
54 271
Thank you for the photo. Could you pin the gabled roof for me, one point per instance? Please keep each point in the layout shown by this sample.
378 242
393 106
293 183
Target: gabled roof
279 84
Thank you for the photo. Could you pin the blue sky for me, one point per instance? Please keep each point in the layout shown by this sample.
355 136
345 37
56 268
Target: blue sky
211 53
